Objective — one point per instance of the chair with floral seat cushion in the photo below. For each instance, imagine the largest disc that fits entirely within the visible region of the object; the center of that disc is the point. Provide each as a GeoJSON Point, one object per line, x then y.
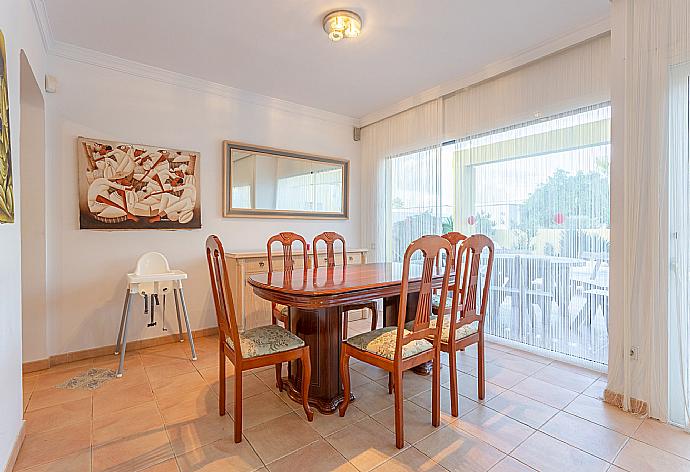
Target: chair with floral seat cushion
{"type": "Point", "coordinates": [397, 349]}
{"type": "Point", "coordinates": [454, 238]}
{"type": "Point", "coordinates": [282, 313]}
{"type": "Point", "coordinates": [465, 325]}
{"type": "Point", "coordinates": [330, 237]}
{"type": "Point", "coordinates": [259, 347]}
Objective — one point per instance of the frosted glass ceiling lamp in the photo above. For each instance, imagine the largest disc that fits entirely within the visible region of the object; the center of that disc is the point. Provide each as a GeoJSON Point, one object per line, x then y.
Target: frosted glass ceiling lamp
{"type": "Point", "coordinates": [341, 24]}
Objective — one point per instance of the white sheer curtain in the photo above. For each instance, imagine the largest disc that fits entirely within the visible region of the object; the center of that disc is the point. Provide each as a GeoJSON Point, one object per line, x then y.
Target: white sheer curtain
{"type": "Point", "coordinates": [416, 133]}
{"type": "Point", "coordinates": [540, 190]}
{"type": "Point", "coordinates": [654, 37]}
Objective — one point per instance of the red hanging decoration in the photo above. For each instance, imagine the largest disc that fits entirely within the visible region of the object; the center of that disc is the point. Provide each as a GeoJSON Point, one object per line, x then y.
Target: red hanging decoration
{"type": "Point", "coordinates": [558, 218]}
{"type": "Point", "coordinates": [471, 220]}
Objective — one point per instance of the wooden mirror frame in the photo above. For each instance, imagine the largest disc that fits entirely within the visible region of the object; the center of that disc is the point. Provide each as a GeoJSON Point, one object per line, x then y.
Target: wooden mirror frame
{"type": "Point", "coordinates": [230, 212]}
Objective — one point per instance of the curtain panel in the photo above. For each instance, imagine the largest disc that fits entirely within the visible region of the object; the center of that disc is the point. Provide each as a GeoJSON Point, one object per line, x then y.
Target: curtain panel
{"type": "Point", "coordinates": [574, 78]}
{"type": "Point", "coordinates": [650, 38]}
{"type": "Point", "coordinates": [571, 79]}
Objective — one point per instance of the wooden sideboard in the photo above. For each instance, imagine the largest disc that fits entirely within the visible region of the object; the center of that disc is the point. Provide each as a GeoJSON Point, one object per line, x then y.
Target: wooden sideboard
{"type": "Point", "coordinates": [253, 311]}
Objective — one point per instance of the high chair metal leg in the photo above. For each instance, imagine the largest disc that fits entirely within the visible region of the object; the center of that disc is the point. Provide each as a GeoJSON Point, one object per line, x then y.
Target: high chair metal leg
{"type": "Point", "coordinates": [120, 368]}
{"type": "Point", "coordinates": [186, 320]}
{"type": "Point", "coordinates": [179, 319]}
{"type": "Point", "coordinates": [118, 345]}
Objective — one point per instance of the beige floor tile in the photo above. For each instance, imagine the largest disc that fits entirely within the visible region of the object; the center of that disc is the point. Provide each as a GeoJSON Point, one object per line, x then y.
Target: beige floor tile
{"type": "Point", "coordinates": [373, 372]}
{"type": "Point", "coordinates": [372, 398]}
{"type": "Point", "coordinates": [606, 415]}
{"type": "Point", "coordinates": [465, 405]}
{"type": "Point", "coordinates": [129, 423]}
{"type": "Point", "coordinates": [552, 395]}
{"type": "Point", "coordinates": [577, 369]}
{"type": "Point", "coordinates": [48, 446]}
{"type": "Point", "coordinates": [189, 434]}
{"type": "Point", "coordinates": [510, 464]}
{"type": "Point", "coordinates": [316, 457]}
{"type": "Point", "coordinates": [547, 454]}
{"type": "Point", "coordinates": [329, 424]}
{"type": "Point", "coordinates": [467, 387]}
{"type": "Point", "coordinates": [528, 355]}
{"type": "Point", "coordinates": [133, 453]}
{"type": "Point", "coordinates": [502, 432]}
{"type": "Point", "coordinates": [53, 377]}
{"type": "Point", "coordinates": [163, 372]}
{"type": "Point", "coordinates": [55, 396]}
{"type": "Point", "coordinates": [416, 421]}
{"type": "Point", "coordinates": [637, 456]}
{"type": "Point", "coordinates": [120, 397]}
{"type": "Point", "coordinates": [519, 364]}
{"type": "Point", "coordinates": [168, 466]}
{"type": "Point", "coordinates": [596, 390]}
{"type": "Point", "coordinates": [221, 456]}
{"type": "Point", "coordinates": [366, 444]}
{"type": "Point", "coordinates": [260, 409]}
{"type": "Point", "coordinates": [59, 415]}
{"type": "Point", "coordinates": [521, 408]}
{"type": "Point", "coordinates": [79, 461]}
{"type": "Point", "coordinates": [251, 385]}
{"type": "Point", "coordinates": [280, 437]}
{"type": "Point", "coordinates": [189, 404]}
{"type": "Point", "coordinates": [459, 451]}
{"type": "Point", "coordinates": [664, 436]}
{"type": "Point", "coordinates": [410, 460]}
{"type": "Point", "coordinates": [583, 434]}
{"type": "Point", "coordinates": [501, 376]}
{"type": "Point", "coordinates": [564, 378]}
{"type": "Point", "coordinates": [268, 376]}
{"type": "Point", "coordinates": [413, 384]}
{"type": "Point", "coordinates": [132, 362]}
{"type": "Point", "coordinates": [175, 384]}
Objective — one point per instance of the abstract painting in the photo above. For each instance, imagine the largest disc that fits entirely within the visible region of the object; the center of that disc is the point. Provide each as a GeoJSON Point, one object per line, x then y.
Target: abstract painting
{"type": "Point", "coordinates": [134, 186]}
{"type": "Point", "coordinates": [6, 195]}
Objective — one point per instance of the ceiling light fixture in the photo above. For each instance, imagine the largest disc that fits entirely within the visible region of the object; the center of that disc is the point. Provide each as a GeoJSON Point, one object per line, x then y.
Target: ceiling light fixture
{"type": "Point", "coordinates": [341, 24]}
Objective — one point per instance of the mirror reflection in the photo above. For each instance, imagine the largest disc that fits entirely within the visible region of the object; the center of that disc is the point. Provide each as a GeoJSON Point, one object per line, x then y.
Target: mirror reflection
{"type": "Point", "coordinates": [262, 182]}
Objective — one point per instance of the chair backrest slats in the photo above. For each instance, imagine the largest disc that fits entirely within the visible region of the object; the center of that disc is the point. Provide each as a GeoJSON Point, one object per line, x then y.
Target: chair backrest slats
{"type": "Point", "coordinates": [466, 286]}
{"type": "Point", "coordinates": [222, 295]}
{"type": "Point", "coordinates": [328, 237]}
{"type": "Point", "coordinates": [286, 239]}
{"type": "Point", "coordinates": [432, 248]}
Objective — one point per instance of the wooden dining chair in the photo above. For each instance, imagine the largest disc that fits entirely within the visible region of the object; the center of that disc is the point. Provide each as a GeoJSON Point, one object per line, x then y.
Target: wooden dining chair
{"type": "Point", "coordinates": [330, 237]}
{"type": "Point", "coordinates": [282, 313]}
{"type": "Point", "coordinates": [258, 347]}
{"type": "Point", "coordinates": [465, 324]}
{"type": "Point", "coordinates": [400, 348]}
{"type": "Point", "coordinates": [454, 238]}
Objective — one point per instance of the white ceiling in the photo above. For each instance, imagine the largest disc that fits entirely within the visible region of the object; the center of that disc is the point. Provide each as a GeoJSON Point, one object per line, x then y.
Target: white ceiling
{"type": "Point", "coordinates": [278, 48]}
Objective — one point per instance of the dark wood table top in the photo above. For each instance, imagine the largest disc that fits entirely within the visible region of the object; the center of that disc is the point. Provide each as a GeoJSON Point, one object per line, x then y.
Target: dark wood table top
{"type": "Point", "coordinates": [307, 288]}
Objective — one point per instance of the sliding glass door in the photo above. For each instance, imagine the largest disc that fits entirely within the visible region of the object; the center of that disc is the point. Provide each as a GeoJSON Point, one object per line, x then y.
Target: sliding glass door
{"type": "Point", "coordinates": [540, 190]}
{"type": "Point", "coordinates": [679, 247]}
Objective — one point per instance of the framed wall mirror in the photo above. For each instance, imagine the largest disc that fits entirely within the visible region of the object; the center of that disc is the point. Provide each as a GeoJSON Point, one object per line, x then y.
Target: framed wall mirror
{"type": "Point", "coordinates": [262, 182]}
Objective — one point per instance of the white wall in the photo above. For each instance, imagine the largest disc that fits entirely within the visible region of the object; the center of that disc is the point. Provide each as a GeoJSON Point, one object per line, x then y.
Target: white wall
{"type": "Point", "coordinates": [33, 225]}
{"type": "Point", "coordinates": [86, 269]}
{"type": "Point", "coordinates": [21, 32]}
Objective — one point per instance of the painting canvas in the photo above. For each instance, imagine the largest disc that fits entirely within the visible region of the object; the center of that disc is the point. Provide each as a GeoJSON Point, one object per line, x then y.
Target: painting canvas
{"type": "Point", "coordinates": [6, 193]}
{"type": "Point", "coordinates": [134, 186]}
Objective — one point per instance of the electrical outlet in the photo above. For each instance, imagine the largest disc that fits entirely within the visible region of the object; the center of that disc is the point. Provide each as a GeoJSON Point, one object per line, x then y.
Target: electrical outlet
{"type": "Point", "coordinates": [635, 352]}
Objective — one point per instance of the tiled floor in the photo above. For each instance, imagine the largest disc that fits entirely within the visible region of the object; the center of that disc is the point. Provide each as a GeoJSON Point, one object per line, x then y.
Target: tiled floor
{"type": "Point", "coordinates": [162, 416]}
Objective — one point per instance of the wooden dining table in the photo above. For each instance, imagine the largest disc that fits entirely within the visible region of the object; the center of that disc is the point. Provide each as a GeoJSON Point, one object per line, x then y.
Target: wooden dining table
{"type": "Point", "coordinates": [316, 297]}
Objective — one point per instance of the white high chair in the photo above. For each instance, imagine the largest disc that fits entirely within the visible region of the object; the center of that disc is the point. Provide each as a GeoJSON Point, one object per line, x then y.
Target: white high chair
{"type": "Point", "coordinates": [153, 277]}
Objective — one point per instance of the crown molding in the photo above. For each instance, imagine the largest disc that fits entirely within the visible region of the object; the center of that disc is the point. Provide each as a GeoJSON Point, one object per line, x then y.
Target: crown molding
{"type": "Point", "coordinates": [597, 28]}
{"type": "Point", "coordinates": [72, 52]}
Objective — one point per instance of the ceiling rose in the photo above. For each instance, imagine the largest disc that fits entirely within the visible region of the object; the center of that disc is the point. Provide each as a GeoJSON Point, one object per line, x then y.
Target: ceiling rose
{"type": "Point", "coordinates": [340, 24]}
